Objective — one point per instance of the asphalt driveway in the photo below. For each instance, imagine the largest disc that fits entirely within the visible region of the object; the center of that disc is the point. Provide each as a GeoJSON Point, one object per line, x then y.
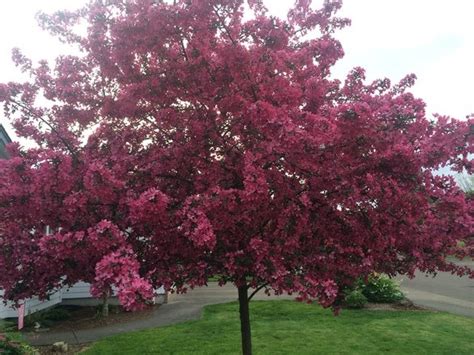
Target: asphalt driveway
{"type": "Point", "coordinates": [445, 292]}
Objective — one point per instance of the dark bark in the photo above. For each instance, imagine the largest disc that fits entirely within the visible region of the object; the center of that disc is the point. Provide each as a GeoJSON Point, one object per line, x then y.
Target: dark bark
{"type": "Point", "coordinates": [245, 321]}
{"type": "Point", "coordinates": [256, 291]}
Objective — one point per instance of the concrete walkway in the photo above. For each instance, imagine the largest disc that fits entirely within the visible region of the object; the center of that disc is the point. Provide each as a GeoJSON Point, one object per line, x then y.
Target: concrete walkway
{"type": "Point", "coordinates": [179, 308]}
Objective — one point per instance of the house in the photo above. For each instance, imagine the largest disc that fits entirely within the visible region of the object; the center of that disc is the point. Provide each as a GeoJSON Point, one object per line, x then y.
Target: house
{"type": "Point", "coordinates": [79, 294]}
{"type": "Point", "coordinates": [4, 140]}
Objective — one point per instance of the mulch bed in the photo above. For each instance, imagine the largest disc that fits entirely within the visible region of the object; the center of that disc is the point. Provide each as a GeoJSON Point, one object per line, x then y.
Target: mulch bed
{"type": "Point", "coordinates": [405, 305]}
{"type": "Point", "coordinates": [72, 349]}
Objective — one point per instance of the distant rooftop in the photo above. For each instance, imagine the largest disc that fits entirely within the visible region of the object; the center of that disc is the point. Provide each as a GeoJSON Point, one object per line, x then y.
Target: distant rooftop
{"type": "Point", "coordinates": [4, 140]}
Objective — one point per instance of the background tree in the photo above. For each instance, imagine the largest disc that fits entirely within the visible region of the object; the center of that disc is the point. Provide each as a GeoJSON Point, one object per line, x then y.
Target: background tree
{"type": "Point", "coordinates": [467, 184]}
{"type": "Point", "coordinates": [186, 142]}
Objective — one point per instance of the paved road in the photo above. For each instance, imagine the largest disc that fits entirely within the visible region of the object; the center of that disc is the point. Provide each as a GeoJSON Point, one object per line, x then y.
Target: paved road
{"type": "Point", "coordinates": [445, 292]}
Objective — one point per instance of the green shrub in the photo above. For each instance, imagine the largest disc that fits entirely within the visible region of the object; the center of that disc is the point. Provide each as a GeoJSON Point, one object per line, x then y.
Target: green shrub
{"type": "Point", "coordinates": [32, 318]}
{"type": "Point", "coordinates": [355, 299]}
{"type": "Point", "coordinates": [56, 314]}
{"type": "Point", "coordinates": [7, 326]}
{"type": "Point", "coordinates": [14, 346]}
{"type": "Point", "coordinates": [46, 317]}
{"type": "Point", "coordinates": [7, 347]}
{"type": "Point", "coordinates": [381, 289]}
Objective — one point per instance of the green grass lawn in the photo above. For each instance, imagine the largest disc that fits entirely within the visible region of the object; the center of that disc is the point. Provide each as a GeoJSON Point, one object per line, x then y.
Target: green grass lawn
{"type": "Point", "coordinates": [286, 327]}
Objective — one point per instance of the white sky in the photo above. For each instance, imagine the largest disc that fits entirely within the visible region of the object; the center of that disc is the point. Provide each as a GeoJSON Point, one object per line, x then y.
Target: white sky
{"type": "Point", "coordinates": [389, 38]}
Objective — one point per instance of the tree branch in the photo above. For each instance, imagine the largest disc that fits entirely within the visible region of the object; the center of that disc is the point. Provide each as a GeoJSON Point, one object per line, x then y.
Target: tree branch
{"type": "Point", "coordinates": [28, 111]}
{"type": "Point", "coordinates": [225, 27]}
{"type": "Point", "coordinates": [256, 290]}
{"type": "Point", "coordinates": [183, 49]}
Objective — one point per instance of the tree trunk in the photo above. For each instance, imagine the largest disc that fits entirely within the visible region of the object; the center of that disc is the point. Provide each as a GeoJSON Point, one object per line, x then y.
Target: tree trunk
{"type": "Point", "coordinates": [245, 321]}
{"type": "Point", "coordinates": [105, 305]}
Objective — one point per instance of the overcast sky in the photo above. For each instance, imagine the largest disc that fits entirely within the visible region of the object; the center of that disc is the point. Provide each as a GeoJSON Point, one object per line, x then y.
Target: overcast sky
{"type": "Point", "coordinates": [389, 38]}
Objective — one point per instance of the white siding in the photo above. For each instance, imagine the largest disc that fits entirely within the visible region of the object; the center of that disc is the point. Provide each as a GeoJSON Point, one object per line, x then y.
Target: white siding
{"type": "Point", "coordinates": [79, 290]}
{"type": "Point", "coordinates": [32, 305]}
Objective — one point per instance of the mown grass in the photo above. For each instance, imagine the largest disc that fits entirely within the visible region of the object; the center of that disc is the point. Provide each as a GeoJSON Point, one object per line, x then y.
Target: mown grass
{"type": "Point", "coordinates": [286, 327]}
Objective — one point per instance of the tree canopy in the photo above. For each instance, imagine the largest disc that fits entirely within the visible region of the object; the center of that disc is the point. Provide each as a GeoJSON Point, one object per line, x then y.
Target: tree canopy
{"type": "Point", "coordinates": [187, 140]}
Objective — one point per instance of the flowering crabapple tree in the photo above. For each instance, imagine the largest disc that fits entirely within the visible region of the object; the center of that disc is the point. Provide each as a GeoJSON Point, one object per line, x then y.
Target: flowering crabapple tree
{"type": "Point", "coordinates": [186, 141]}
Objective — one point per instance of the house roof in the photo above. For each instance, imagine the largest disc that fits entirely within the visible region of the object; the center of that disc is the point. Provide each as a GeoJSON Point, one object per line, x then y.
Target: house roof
{"type": "Point", "coordinates": [4, 140]}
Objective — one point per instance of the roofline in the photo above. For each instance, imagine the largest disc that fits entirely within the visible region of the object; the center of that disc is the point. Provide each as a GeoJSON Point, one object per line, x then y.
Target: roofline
{"type": "Point", "coordinates": [4, 132]}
